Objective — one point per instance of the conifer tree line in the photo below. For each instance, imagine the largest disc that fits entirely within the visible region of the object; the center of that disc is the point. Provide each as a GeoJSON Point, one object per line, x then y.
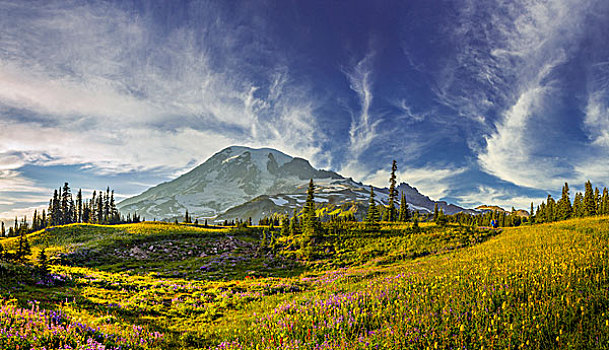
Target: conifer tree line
{"type": "Point", "coordinates": [592, 202]}
{"type": "Point", "coordinates": [100, 209]}
{"type": "Point", "coordinates": [64, 209]}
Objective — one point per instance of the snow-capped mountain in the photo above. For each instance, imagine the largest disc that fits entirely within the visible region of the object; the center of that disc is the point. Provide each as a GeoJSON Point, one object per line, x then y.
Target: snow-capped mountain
{"type": "Point", "coordinates": [230, 177]}
{"type": "Point", "coordinates": [242, 182]}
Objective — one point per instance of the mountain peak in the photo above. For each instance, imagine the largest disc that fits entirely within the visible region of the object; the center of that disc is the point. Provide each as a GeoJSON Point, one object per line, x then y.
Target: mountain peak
{"type": "Point", "coordinates": [237, 175]}
{"type": "Point", "coordinates": [260, 156]}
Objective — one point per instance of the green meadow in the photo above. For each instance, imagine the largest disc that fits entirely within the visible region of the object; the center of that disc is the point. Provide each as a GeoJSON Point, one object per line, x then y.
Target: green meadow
{"type": "Point", "coordinates": [167, 286]}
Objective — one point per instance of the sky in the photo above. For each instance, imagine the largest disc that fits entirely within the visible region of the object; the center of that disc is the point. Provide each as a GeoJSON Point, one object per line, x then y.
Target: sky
{"type": "Point", "coordinates": [495, 102]}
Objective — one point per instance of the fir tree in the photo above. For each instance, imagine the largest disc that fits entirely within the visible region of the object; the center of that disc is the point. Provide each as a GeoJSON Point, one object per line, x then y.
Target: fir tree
{"type": "Point", "coordinates": [605, 202]}
{"type": "Point", "coordinates": [92, 207]}
{"type": "Point", "coordinates": [79, 208]}
{"type": "Point", "coordinates": [550, 209]}
{"type": "Point", "coordinates": [285, 225]}
{"type": "Point", "coordinates": [404, 211]}
{"type": "Point", "coordinates": [114, 213]}
{"type": "Point", "coordinates": [2, 230]}
{"type": "Point", "coordinates": [186, 217]}
{"type": "Point", "coordinates": [541, 213]}
{"type": "Point", "coordinates": [391, 213]}
{"type": "Point", "coordinates": [436, 213]}
{"type": "Point", "coordinates": [372, 217]}
{"type": "Point", "coordinates": [43, 219]}
{"type": "Point", "coordinates": [23, 249]}
{"type": "Point", "coordinates": [597, 201]}
{"type": "Point", "coordinates": [310, 223]}
{"type": "Point", "coordinates": [294, 227]}
{"type": "Point", "coordinates": [67, 205]}
{"type": "Point", "coordinates": [589, 200]}
{"type": "Point", "coordinates": [564, 209]}
{"type": "Point", "coordinates": [107, 205]}
{"type": "Point", "coordinates": [532, 214]}
{"type": "Point", "coordinates": [578, 205]}
{"type": "Point", "coordinates": [43, 261]}
{"type": "Point", "coordinates": [100, 208]}
{"type": "Point", "coordinates": [35, 221]}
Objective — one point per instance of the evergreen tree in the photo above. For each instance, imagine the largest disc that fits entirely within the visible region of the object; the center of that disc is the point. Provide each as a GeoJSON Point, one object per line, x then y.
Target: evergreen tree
{"type": "Point", "coordinates": [186, 217]}
{"type": "Point", "coordinates": [541, 213]}
{"type": "Point", "coordinates": [67, 205]}
{"type": "Point", "coordinates": [23, 249]}
{"type": "Point", "coordinates": [43, 261]}
{"type": "Point", "coordinates": [115, 216]}
{"type": "Point", "coordinates": [107, 205]}
{"type": "Point", "coordinates": [564, 209]}
{"type": "Point", "coordinates": [372, 216]}
{"type": "Point", "coordinates": [605, 202]}
{"type": "Point", "coordinates": [310, 222]}
{"type": "Point", "coordinates": [285, 225]}
{"type": "Point", "coordinates": [404, 211]}
{"type": "Point", "coordinates": [597, 201]}
{"type": "Point", "coordinates": [532, 214]}
{"type": "Point", "coordinates": [2, 230]}
{"type": "Point", "coordinates": [35, 221]}
{"type": "Point", "coordinates": [294, 227]}
{"type": "Point", "coordinates": [43, 219]}
{"type": "Point", "coordinates": [100, 208]}
{"type": "Point", "coordinates": [589, 200]}
{"type": "Point", "coordinates": [436, 213]}
{"type": "Point", "coordinates": [79, 208]}
{"type": "Point", "coordinates": [391, 212]}
{"type": "Point", "coordinates": [578, 205]}
{"type": "Point", "coordinates": [550, 209]}
{"type": "Point", "coordinates": [93, 207]}
{"type": "Point", "coordinates": [86, 212]}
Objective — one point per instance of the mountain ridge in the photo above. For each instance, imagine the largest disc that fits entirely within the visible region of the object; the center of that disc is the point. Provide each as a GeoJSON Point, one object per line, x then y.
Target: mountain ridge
{"type": "Point", "coordinates": [240, 180]}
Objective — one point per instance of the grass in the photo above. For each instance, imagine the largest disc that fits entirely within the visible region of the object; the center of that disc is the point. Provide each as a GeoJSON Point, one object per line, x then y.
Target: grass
{"type": "Point", "coordinates": [534, 287]}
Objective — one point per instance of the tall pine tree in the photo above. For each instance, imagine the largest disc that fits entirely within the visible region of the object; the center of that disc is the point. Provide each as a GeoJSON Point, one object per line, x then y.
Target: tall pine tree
{"type": "Point", "coordinates": [578, 205]}
{"type": "Point", "coordinates": [391, 212]}
{"type": "Point", "coordinates": [564, 209]}
{"type": "Point", "coordinates": [79, 206]}
{"type": "Point", "coordinates": [589, 200]}
{"type": "Point", "coordinates": [404, 211]}
{"type": "Point", "coordinates": [310, 222]}
{"type": "Point", "coordinates": [605, 202]}
{"type": "Point", "coordinates": [372, 216]}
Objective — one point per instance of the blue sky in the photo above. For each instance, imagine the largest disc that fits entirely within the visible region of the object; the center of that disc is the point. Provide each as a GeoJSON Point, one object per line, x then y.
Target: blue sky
{"type": "Point", "coordinates": [479, 101]}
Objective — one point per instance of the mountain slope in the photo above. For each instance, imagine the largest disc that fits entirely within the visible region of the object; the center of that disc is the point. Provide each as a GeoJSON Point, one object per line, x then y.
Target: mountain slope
{"type": "Point", "coordinates": [229, 178]}
{"type": "Point", "coordinates": [242, 182]}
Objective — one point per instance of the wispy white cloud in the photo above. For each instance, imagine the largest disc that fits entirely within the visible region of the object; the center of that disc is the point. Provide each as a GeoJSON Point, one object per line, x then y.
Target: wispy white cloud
{"type": "Point", "coordinates": [96, 85]}
{"type": "Point", "coordinates": [363, 128]}
{"type": "Point", "coordinates": [93, 85]}
{"type": "Point", "coordinates": [433, 182]}
{"type": "Point", "coordinates": [528, 42]}
{"type": "Point", "coordinates": [13, 181]}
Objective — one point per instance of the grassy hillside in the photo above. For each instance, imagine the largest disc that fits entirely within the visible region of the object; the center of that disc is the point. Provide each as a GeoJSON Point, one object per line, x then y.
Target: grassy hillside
{"type": "Point", "coordinates": [538, 287]}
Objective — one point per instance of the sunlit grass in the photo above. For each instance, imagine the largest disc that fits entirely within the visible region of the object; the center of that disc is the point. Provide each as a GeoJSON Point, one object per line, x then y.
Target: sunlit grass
{"type": "Point", "coordinates": [541, 287]}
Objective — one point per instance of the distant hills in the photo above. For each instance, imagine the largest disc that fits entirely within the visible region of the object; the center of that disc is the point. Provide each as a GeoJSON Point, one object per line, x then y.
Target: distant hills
{"type": "Point", "coordinates": [519, 212]}
{"type": "Point", "coordinates": [242, 182]}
